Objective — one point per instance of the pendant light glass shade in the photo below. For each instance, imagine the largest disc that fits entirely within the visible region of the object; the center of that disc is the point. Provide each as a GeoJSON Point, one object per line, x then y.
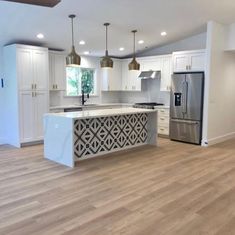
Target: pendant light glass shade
{"type": "Point", "coordinates": [73, 59]}
{"type": "Point", "coordinates": [106, 61]}
{"type": "Point", "coordinates": [134, 65]}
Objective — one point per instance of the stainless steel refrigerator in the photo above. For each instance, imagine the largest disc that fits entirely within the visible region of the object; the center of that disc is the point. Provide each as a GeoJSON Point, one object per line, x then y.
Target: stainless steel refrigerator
{"type": "Point", "coordinates": [186, 107]}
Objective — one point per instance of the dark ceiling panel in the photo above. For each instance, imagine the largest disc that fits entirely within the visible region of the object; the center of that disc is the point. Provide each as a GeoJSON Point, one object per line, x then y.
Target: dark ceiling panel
{"type": "Point", "coordinates": [45, 3]}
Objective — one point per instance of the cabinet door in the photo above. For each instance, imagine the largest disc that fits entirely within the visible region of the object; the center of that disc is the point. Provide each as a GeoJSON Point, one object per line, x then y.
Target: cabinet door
{"type": "Point", "coordinates": [115, 77]}
{"type": "Point", "coordinates": [60, 71]}
{"type": "Point", "coordinates": [166, 73]}
{"type": "Point", "coordinates": [125, 74]}
{"type": "Point", "coordinates": [51, 71]}
{"type": "Point", "coordinates": [134, 80]}
{"type": "Point", "coordinates": [26, 116]}
{"type": "Point", "coordinates": [197, 61]}
{"type": "Point", "coordinates": [180, 62]}
{"type": "Point", "coordinates": [25, 69]}
{"type": "Point", "coordinates": [152, 64]}
{"type": "Point", "coordinates": [40, 69]}
{"type": "Point", "coordinates": [40, 108]}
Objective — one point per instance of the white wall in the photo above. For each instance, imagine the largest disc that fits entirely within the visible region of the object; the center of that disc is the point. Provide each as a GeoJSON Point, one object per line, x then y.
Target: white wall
{"type": "Point", "coordinates": [1, 99]}
{"type": "Point", "coordinates": [191, 43]}
{"type": "Point", "coordinates": [219, 109]}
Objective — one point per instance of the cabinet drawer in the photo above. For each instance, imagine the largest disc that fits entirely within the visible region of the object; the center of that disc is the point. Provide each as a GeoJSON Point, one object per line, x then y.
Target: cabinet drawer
{"type": "Point", "coordinates": [163, 120]}
{"type": "Point", "coordinates": [163, 130]}
{"type": "Point", "coordinates": [163, 112]}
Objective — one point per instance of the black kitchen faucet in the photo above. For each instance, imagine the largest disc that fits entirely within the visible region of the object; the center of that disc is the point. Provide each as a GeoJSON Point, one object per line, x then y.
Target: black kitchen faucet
{"type": "Point", "coordinates": [83, 97]}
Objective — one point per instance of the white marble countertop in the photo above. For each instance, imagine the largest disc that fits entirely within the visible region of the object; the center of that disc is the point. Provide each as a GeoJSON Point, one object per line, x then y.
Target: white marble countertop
{"type": "Point", "coordinates": [89, 105]}
{"type": "Point", "coordinates": [101, 113]}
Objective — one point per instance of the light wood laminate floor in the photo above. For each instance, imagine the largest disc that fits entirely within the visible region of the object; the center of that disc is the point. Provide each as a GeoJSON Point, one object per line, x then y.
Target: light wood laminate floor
{"type": "Point", "coordinates": [175, 189]}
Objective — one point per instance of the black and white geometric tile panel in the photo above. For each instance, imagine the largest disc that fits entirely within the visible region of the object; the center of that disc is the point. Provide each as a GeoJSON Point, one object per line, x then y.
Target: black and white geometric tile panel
{"type": "Point", "coordinates": [104, 134]}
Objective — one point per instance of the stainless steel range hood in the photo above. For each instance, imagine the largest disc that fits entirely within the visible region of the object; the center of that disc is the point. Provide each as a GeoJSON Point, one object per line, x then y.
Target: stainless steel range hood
{"type": "Point", "coordinates": [150, 74]}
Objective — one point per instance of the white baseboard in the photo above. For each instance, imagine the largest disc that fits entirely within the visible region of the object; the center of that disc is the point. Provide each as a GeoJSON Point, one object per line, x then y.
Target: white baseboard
{"type": "Point", "coordinates": [220, 139]}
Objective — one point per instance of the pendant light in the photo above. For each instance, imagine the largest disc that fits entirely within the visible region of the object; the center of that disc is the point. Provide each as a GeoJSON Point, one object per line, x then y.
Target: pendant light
{"type": "Point", "coordinates": [73, 59]}
{"type": "Point", "coordinates": [106, 61]}
{"type": "Point", "coordinates": [134, 65]}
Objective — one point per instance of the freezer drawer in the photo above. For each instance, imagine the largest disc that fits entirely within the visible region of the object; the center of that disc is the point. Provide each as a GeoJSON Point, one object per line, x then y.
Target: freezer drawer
{"type": "Point", "coordinates": [186, 131]}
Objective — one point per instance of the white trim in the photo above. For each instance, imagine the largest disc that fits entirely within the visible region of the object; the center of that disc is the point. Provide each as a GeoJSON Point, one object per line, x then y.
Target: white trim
{"type": "Point", "coordinates": [221, 138]}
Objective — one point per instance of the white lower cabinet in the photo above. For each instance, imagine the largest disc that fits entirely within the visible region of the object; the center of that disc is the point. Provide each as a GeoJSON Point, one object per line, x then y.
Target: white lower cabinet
{"type": "Point", "coordinates": [163, 121]}
{"type": "Point", "coordinates": [33, 105]}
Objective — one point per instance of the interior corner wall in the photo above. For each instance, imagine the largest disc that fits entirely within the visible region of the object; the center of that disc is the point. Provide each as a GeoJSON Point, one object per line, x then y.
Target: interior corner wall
{"type": "Point", "coordinates": [219, 110]}
{"type": "Point", "coordinates": [1, 99]}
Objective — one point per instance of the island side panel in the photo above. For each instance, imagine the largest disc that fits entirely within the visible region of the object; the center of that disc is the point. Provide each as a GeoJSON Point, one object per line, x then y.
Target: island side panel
{"type": "Point", "coordinates": [152, 128]}
{"type": "Point", "coordinates": [97, 136]}
{"type": "Point", "coordinates": [58, 139]}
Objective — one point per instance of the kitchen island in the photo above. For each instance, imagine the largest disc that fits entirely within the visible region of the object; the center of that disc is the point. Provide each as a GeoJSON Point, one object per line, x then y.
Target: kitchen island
{"type": "Point", "coordinates": [70, 137]}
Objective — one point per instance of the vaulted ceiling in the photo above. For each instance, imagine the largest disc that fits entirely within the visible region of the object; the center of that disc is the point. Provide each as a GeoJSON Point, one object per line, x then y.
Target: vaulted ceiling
{"type": "Point", "coordinates": [179, 18]}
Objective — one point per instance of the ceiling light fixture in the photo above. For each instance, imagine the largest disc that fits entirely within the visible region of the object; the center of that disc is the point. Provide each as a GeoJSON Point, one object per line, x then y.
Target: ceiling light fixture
{"type": "Point", "coordinates": [134, 65]}
{"type": "Point", "coordinates": [40, 36]}
{"type": "Point", "coordinates": [121, 49]}
{"type": "Point", "coordinates": [86, 52]}
{"type": "Point", "coordinates": [163, 33]}
{"type": "Point", "coordinates": [73, 59]}
{"type": "Point", "coordinates": [82, 42]}
{"type": "Point", "coordinates": [106, 61]}
{"type": "Point", "coordinates": [141, 41]}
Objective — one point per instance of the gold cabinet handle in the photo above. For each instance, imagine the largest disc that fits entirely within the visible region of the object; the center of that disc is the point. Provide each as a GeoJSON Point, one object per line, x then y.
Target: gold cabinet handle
{"type": "Point", "coordinates": [35, 86]}
{"type": "Point", "coordinates": [32, 86]}
{"type": "Point", "coordinates": [32, 93]}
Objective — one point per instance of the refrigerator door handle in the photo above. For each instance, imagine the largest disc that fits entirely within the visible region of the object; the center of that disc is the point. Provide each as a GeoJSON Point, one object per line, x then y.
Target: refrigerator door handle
{"type": "Point", "coordinates": [185, 96]}
{"type": "Point", "coordinates": [185, 121]}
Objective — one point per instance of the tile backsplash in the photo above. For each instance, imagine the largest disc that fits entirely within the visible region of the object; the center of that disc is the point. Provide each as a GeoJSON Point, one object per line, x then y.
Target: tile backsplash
{"type": "Point", "coordinates": [150, 93]}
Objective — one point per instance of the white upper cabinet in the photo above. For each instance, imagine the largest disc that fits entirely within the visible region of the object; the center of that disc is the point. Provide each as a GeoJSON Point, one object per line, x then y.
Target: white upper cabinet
{"type": "Point", "coordinates": [112, 78]}
{"type": "Point", "coordinates": [25, 68]}
{"type": "Point", "coordinates": [189, 61]}
{"type": "Point", "coordinates": [40, 69]}
{"type": "Point", "coordinates": [161, 63]}
{"type": "Point", "coordinates": [57, 71]}
{"type": "Point", "coordinates": [166, 72]}
{"type": "Point", "coordinates": [152, 63]}
{"type": "Point", "coordinates": [32, 68]}
{"type": "Point", "coordinates": [130, 79]}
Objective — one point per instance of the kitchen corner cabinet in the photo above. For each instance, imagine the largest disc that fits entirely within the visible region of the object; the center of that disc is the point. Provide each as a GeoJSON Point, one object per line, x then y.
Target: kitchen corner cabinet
{"type": "Point", "coordinates": [25, 92]}
{"type": "Point", "coordinates": [189, 61]}
{"type": "Point", "coordinates": [112, 78]}
{"type": "Point", "coordinates": [130, 80]}
{"type": "Point", "coordinates": [57, 71]}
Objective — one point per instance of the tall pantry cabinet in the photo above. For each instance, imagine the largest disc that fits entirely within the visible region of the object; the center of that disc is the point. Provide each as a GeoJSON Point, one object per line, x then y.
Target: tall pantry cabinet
{"type": "Point", "coordinates": [26, 93]}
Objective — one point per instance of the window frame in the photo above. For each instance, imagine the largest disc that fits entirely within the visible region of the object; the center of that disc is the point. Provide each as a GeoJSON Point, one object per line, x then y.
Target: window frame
{"type": "Point", "coordinates": [95, 84]}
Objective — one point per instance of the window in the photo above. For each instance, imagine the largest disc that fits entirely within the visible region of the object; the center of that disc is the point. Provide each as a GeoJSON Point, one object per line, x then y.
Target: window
{"type": "Point", "coordinates": [78, 79]}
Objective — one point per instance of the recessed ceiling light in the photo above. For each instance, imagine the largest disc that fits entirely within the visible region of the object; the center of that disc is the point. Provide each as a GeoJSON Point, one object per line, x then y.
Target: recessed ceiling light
{"type": "Point", "coordinates": [121, 49]}
{"type": "Point", "coordinates": [163, 33]}
{"type": "Point", "coordinates": [86, 52]}
{"type": "Point", "coordinates": [82, 42]}
{"type": "Point", "coordinates": [40, 36]}
{"type": "Point", "coordinates": [141, 41]}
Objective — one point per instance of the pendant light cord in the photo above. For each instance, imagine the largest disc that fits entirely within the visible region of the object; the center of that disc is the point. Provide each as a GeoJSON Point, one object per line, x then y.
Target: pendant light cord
{"type": "Point", "coordinates": [106, 39]}
{"type": "Point", "coordinates": [72, 33]}
{"type": "Point", "coordinates": [134, 46]}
